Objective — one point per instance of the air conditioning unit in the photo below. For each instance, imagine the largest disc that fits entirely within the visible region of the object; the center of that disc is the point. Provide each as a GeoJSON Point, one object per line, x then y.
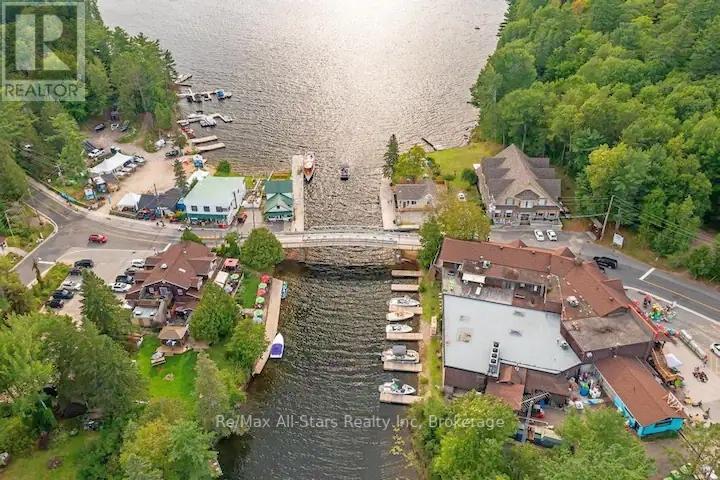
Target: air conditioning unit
{"type": "Point", "coordinates": [564, 345]}
{"type": "Point", "coordinates": [573, 301]}
{"type": "Point", "coordinates": [485, 263]}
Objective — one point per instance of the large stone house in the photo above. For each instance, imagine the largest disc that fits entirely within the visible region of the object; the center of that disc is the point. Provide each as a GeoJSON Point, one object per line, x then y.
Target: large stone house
{"type": "Point", "coordinates": [519, 190]}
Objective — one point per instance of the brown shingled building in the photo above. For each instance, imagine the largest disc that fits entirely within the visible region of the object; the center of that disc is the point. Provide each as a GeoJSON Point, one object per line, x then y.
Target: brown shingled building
{"type": "Point", "coordinates": [501, 300]}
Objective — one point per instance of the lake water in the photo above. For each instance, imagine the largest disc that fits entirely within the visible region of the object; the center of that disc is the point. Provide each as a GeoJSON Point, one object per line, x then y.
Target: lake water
{"type": "Point", "coordinates": [336, 77]}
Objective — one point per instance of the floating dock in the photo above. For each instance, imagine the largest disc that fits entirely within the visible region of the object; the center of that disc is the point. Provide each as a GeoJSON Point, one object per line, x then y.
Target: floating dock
{"type": "Point", "coordinates": [399, 399]}
{"type": "Point", "coordinates": [396, 308]}
{"type": "Point", "coordinates": [390, 366]}
{"type": "Point", "coordinates": [407, 273]}
{"type": "Point", "coordinates": [272, 318]}
{"type": "Point", "coordinates": [211, 138]}
{"type": "Point", "coordinates": [404, 337]}
{"type": "Point", "coordinates": [298, 223]}
{"type": "Point", "coordinates": [210, 148]}
{"type": "Point", "coordinates": [404, 287]}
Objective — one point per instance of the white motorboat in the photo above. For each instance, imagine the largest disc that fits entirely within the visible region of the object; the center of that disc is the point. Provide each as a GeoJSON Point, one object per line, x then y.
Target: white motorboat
{"type": "Point", "coordinates": [277, 348]}
{"type": "Point", "coordinates": [399, 316]}
{"type": "Point", "coordinates": [396, 387]}
{"type": "Point", "coordinates": [404, 302]}
{"type": "Point", "coordinates": [400, 353]}
{"type": "Point", "coordinates": [309, 166]}
{"type": "Point", "coordinates": [398, 328]}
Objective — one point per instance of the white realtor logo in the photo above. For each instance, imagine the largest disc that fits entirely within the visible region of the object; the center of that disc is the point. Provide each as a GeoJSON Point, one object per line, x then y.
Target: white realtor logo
{"type": "Point", "coordinates": [25, 46]}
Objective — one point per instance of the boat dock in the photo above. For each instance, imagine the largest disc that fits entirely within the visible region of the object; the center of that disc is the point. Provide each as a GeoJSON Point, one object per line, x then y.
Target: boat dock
{"type": "Point", "coordinates": [298, 193]}
{"type": "Point", "coordinates": [196, 117]}
{"type": "Point", "coordinates": [404, 287]}
{"type": "Point", "coordinates": [272, 317]}
{"type": "Point", "coordinates": [414, 310]}
{"type": "Point", "coordinates": [399, 399]}
{"type": "Point", "coordinates": [404, 337]}
{"type": "Point", "coordinates": [195, 141]}
{"type": "Point", "coordinates": [391, 366]}
{"type": "Point", "coordinates": [210, 148]}
{"type": "Point", "coordinates": [406, 273]}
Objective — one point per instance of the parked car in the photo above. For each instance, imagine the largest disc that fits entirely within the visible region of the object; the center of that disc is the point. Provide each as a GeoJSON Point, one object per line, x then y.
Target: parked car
{"type": "Point", "coordinates": [55, 303]}
{"type": "Point", "coordinates": [97, 238]}
{"type": "Point", "coordinates": [606, 262]}
{"type": "Point", "coordinates": [131, 271]}
{"type": "Point", "coordinates": [70, 285]}
{"type": "Point", "coordinates": [120, 174]}
{"type": "Point", "coordinates": [539, 235]}
{"type": "Point", "coordinates": [715, 347]}
{"type": "Point", "coordinates": [63, 294]}
{"type": "Point", "coordinates": [139, 160]}
{"type": "Point", "coordinates": [551, 235]}
{"type": "Point", "coordinates": [138, 263]}
{"type": "Point", "coordinates": [127, 170]}
{"type": "Point", "coordinates": [242, 217]}
{"type": "Point", "coordinates": [120, 287]}
{"type": "Point", "coordinates": [97, 153]}
{"type": "Point", "coordinates": [125, 125]}
{"type": "Point", "coordinates": [84, 263]}
{"type": "Point", "coordinates": [172, 153]}
{"type": "Point", "coordinates": [99, 127]}
{"type": "Point", "coordinates": [75, 271]}
{"type": "Point", "coordinates": [128, 279]}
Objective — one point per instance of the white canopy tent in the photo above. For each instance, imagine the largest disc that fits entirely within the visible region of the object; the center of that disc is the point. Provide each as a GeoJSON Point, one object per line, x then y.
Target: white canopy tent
{"type": "Point", "coordinates": [129, 200]}
{"type": "Point", "coordinates": [112, 164]}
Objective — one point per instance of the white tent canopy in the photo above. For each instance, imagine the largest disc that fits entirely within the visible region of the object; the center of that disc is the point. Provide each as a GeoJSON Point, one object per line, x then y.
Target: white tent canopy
{"type": "Point", "coordinates": [110, 165]}
{"type": "Point", "coordinates": [130, 200]}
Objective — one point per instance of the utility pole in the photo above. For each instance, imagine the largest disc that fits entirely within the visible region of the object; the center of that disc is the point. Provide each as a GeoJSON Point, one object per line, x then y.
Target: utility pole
{"type": "Point", "coordinates": [7, 219]}
{"type": "Point", "coordinates": [607, 215]}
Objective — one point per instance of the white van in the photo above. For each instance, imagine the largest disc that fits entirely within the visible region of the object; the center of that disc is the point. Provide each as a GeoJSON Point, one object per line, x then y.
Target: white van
{"type": "Point", "coordinates": [138, 263]}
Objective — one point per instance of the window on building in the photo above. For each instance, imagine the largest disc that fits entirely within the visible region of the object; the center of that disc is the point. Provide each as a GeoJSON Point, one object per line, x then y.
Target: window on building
{"type": "Point", "coordinates": [164, 291]}
{"type": "Point", "coordinates": [542, 201]}
{"type": "Point", "coordinates": [510, 201]}
{"type": "Point", "coordinates": [206, 209]}
{"type": "Point", "coordinates": [181, 291]}
{"type": "Point", "coordinates": [193, 208]}
{"type": "Point", "coordinates": [219, 209]}
{"type": "Point", "coordinates": [412, 202]}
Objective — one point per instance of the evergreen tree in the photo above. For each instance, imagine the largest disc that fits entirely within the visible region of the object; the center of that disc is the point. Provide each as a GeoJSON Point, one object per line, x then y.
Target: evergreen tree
{"type": "Point", "coordinates": [101, 307]}
{"type": "Point", "coordinates": [391, 156]}
{"type": "Point", "coordinates": [180, 177]}
{"type": "Point", "coordinates": [213, 400]}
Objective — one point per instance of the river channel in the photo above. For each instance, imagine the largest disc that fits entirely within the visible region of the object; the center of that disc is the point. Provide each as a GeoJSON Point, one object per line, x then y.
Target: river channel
{"type": "Point", "coordinates": [336, 77]}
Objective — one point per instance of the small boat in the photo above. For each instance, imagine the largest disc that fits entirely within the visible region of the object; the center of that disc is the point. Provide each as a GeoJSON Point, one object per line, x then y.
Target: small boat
{"type": "Point", "coordinates": [206, 96]}
{"type": "Point", "coordinates": [404, 302]}
{"type": "Point", "coordinates": [284, 291]}
{"type": "Point", "coordinates": [396, 387]}
{"type": "Point", "coordinates": [278, 346]}
{"type": "Point", "coordinates": [400, 353]}
{"type": "Point", "coordinates": [222, 94]}
{"type": "Point", "coordinates": [398, 328]}
{"type": "Point", "coordinates": [344, 173]}
{"type": "Point", "coordinates": [399, 316]}
{"type": "Point", "coordinates": [309, 166]}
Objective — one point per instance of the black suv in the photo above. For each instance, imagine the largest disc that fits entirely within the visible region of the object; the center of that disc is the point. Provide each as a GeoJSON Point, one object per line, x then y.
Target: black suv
{"type": "Point", "coordinates": [55, 303]}
{"type": "Point", "coordinates": [63, 294]}
{"type": "Point", "coordinates": [606, 262]}
{"type": "Point", "coordinates": [84, 263]}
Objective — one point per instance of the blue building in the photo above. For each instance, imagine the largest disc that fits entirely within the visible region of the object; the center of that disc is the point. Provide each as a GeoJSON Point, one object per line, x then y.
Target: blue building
{"type": "Point", "coordinates": [648, 407]}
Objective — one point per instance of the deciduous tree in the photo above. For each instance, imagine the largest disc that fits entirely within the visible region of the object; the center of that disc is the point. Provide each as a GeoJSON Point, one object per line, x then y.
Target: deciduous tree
{"type": "Point", "coordinates": [246, 344]}
{"type": "Point", "coordinates": [213, 400]}
{"type": "Point", "coordinates": [101, 307]}
{"type": "Point", "coordinates": [214, 316]}
{"type": "Point", "coordinates": [464, 220]}
{"type": "Point", "coordinates": [431, 238]}
{"type": "Point", "coordinates": [261, 250]}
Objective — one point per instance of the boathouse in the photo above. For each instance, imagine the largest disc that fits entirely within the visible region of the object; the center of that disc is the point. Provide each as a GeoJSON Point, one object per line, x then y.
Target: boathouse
{"type": "Point", "coordinates": [278, 200]}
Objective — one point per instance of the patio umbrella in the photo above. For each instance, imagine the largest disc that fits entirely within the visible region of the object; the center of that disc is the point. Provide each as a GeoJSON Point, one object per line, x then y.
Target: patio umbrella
{"type": "Point", "coordinates": [265, 278]}
{"type": "Point", "coordinates": [259, 313]}
{"type": "Point", "coordinates": [261, 292]}
{"type": "Point", "coordinates": [259, 300]}
{"type": "Point", "coordinates": [234, 276]}
{"type": "Point", "coordinates": [262, 285]}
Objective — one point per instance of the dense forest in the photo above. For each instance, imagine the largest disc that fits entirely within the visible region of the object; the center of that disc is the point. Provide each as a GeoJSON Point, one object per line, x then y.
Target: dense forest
{"type": "Point", "coordinates": [131, 74]}
{"type": "Point", "coordinates": [624, 95]}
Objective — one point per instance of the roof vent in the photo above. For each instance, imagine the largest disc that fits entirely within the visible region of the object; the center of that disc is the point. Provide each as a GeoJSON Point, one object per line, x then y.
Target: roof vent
{"type": "Point", "coordinates": [485, 264]}
{"type": "Point", "coordinates": [573, 301]}
{"type": "Point", "coordinates": [518, 313]}
{"type": "Point", "coordinates": [564, 345]}
{"type": "Point", "coordinates": [464, 335]}
{"type": "Point", "coordinates": [516, 333]}
{"type": "Point", "coordinates": [181, 270]}
{"type": "Point", "coordinates": [494, 362]}
{"type": "Point", "coordinates": [163, 266]}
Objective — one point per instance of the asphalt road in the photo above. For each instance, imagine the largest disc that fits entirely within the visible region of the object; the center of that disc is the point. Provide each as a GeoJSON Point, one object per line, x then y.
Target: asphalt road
{"type": "Point", "coordinates": [74, 227]}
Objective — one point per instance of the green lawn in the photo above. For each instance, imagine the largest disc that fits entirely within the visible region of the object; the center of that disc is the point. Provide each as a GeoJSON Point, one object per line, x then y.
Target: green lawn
{"type": "Point", "coordinates": [248, 289]}
{"type": "Point", "coordinates": [182, 368]}
{"type": "Point", "coordinates": [429, 290]}
{"type": "Point", "coordinates": [51, 281]}
{"type": "Point", "coordinates": [34, 466]}
{"type": "Point", "coordinates": [452, 161]}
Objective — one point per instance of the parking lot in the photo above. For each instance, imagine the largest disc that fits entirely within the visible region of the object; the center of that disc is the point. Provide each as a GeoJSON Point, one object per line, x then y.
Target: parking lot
{"type": "Point", "coordinates": [109, 263]}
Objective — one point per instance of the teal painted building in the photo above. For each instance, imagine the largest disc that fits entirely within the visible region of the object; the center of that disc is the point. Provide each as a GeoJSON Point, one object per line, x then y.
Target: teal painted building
{"type": "Point", "coordinates": [278, 200]}
{"type": "Point", "coordinates": [647, 406]}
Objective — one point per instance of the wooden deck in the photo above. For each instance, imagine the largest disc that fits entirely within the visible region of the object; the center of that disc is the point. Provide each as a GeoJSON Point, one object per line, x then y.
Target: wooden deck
{"type": "Point", "coordinates": [404, 337]}
{"type": "Point", "coordinates": [210, 148]}
{"type": "Point", "coordinates": [399, 399]}
{"type": "Point", "coordinates": [406, 273]}
{"type": "Point", "coordinates": [390, 366]}
{"type": "Point", "coordinates": [272, 317]}
{"type": "Point", "coordinates": [211, 138]}
{"type": "Point", "coordinates": [404, 287]}
{"type": "Point", "coordinates": [415, 310]}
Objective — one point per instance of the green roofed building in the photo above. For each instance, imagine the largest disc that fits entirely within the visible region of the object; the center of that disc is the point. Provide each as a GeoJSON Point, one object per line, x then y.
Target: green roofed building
{"type": "Point", "coordinates": [215, 199]}
{"type": "Point", "coordinates": [278, 200]}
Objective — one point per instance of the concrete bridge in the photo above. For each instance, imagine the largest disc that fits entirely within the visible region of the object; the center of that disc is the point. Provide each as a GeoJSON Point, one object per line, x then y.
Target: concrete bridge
{"type": "Point", "coordinates": [344, 236]}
